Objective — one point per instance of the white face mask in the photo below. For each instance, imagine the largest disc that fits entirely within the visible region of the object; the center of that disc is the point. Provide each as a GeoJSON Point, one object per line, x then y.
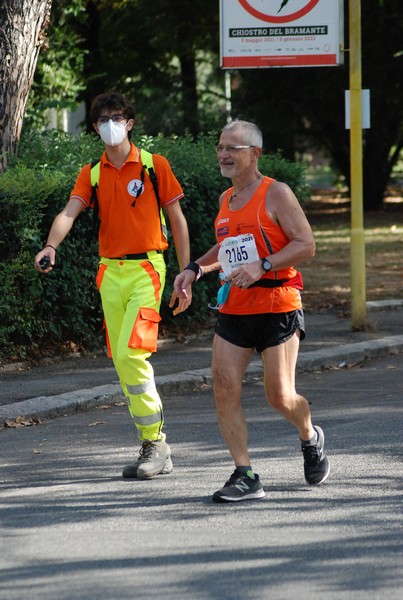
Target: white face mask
{"type": "Point", "coordinates": [112, 134]}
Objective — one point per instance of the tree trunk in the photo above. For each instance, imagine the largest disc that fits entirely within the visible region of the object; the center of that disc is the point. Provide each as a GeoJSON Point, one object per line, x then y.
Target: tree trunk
{"type": "Point", "coordinates": [189, 92]}
{"type": "Point", "coordinates": [92, 60]}
{"type": "Point", "coordinates": [22, 35]}
{"type": "Point", "coordinates": [187, 58]}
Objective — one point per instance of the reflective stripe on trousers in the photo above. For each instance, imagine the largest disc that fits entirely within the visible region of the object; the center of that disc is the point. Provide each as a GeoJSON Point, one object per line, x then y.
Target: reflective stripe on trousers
{"type": "Point", "coordinates": [127, 286]}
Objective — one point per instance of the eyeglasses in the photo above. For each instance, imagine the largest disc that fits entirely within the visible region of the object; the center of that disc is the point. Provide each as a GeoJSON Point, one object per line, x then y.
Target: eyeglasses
{"type": "Point", "coordinates": [231, 149]}
{"type": "Point", "coordinates": [115, 119]}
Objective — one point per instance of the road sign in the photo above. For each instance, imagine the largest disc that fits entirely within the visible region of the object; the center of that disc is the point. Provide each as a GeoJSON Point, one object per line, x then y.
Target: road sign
{"type": "Point", "coordinates": [281, 33]}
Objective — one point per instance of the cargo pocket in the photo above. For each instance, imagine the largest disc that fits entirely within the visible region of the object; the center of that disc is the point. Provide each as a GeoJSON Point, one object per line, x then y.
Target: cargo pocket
{"type": "Point", "coordinates": [145, 330]}
{"type": "Point", "coordinates": [100, 275]}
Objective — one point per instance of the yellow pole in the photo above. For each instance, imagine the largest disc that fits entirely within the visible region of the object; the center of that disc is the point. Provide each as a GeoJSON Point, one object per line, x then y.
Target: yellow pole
{"type": "Point", "coordinates": [357, 239]}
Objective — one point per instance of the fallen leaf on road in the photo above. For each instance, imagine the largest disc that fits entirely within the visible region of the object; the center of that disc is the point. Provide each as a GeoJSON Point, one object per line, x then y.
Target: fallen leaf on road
{"type": "Point", "coordinates": [22, 422]}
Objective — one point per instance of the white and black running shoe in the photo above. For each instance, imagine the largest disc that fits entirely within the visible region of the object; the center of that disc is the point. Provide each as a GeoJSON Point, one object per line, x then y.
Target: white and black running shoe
{"type": "Point", "coordinates": [316, 463]}
{"type": "Point", "coordinates": [239, 487]}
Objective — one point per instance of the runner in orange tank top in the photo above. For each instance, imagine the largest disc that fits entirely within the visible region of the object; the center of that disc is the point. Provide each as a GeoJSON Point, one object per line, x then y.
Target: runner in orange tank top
{"type": "Point", "coordinates": [252, 219]}
{"type": "Point", "coordinates": [261, 233]}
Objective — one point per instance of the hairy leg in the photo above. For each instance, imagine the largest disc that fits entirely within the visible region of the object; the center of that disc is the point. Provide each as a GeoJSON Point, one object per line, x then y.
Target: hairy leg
{"type": "Point", "coordinates": [279, 380]}
{"type": "Point", "coordinates": [229, 365]}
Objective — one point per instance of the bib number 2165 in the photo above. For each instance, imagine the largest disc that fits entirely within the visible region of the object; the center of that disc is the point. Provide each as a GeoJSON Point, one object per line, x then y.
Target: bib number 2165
{"type": "Point", "coordinates": [237, 251]}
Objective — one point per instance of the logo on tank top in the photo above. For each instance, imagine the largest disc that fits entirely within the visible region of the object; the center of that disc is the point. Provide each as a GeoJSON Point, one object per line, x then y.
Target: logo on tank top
{"type": "Point", "coordinates": [222, 231]}
{"type": "Point", "coordinates": [135, 187]}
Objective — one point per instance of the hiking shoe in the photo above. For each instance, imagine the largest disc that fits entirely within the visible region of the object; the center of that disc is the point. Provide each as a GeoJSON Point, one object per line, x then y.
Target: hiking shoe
{"type": "Point", "coordinates": [239, 487]}
{"type": "Point", "coordinates": [316, 464]}
{"type": "Point", "coordinates": [154, 459]}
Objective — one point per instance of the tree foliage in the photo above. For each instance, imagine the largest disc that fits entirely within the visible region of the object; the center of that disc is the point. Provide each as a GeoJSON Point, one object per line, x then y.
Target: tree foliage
{"type": "Point", "coordinates": [297, 107]}
{"type": "Point", "coordinates": [164, 57]}
{"type": "Point", "coordinates": [49, 310]}
{"type": "Point", "coordinates": [59, 78]}
{"type": "Point", "coordinates": [157, 54]}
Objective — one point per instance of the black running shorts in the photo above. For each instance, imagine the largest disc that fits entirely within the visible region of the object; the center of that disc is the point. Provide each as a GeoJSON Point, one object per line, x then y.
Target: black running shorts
{"type": "Point", "coordinates": [260, 331]}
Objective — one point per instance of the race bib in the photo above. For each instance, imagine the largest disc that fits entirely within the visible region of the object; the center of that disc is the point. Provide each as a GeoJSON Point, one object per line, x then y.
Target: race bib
{"type": "Point", "coordinates": [237, 251]}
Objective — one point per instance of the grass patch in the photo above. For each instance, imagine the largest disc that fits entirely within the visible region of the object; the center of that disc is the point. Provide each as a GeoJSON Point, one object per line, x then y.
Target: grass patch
{"type": "Point", "coordinates": [327, 275]}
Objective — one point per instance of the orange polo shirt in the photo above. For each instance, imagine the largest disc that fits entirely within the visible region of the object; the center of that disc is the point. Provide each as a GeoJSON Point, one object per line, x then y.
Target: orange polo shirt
{"type": "Point", "coordinates": [129, 225]}
{"type": "Point", "coordinates": [270, 238]}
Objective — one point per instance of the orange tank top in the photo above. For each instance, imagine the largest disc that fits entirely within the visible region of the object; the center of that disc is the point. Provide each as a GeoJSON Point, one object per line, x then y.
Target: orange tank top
{"type": "Point", "coordinates": [270, 238]}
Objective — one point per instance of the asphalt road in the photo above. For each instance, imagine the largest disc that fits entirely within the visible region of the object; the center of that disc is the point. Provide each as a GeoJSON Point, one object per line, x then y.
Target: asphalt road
{"type": "Point", "coordinates": [73, 529]}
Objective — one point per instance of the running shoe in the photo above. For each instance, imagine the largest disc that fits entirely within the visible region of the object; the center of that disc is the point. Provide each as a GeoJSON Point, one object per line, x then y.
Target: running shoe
{"type": "Point", "coordinates": [316, 463]}
{"type": "Point", "coordinates": [239, 487]}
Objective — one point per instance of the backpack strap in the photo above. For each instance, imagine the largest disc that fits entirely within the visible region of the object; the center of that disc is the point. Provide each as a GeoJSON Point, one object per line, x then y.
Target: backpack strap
{"type": "Point", "coordinates": [95, 174]}
{"type": "Point", "coordinates": [148, 166]}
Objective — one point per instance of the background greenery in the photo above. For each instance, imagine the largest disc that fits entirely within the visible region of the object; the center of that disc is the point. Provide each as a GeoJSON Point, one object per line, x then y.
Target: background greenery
{"type": "Point", "coordinates": [165, 57]}
{"type": "Point", "coordinates": [41, 312]}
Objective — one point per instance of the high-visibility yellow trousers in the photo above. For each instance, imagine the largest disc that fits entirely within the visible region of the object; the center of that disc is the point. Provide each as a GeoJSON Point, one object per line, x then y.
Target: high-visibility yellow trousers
{"type": "Point", "coordinates": [131, 292]}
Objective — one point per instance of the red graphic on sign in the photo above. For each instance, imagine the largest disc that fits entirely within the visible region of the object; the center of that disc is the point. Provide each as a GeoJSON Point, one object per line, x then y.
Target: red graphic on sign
{"type": "Point", "coordinates": [276, 18]}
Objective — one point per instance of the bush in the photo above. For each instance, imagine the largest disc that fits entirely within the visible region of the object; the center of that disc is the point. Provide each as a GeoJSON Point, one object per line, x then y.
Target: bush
{"type": "Point", "coordinates": [39, 312]}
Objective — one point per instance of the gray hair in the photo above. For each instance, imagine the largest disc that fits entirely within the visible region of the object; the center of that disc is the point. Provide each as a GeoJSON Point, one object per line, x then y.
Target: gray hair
{"type": "Point", "coordinates": [253, 135]}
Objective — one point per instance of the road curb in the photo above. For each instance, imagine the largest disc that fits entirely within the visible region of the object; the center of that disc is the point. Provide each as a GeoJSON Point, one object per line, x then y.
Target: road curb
{"type": "Point", "coordinates": [349, 355]}
{"type": "Point", "coordinates": [48, 407]}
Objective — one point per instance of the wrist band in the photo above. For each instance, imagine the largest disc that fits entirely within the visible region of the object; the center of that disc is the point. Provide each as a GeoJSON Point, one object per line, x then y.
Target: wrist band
{"type": "Point", "coordinates": [50, 246]}
{"type": "Point", "coordinates": [197, 270]}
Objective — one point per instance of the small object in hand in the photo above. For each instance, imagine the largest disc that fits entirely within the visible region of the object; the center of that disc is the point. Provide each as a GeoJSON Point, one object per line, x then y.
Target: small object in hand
{"type": "Point", "coordinates": [44, 263]}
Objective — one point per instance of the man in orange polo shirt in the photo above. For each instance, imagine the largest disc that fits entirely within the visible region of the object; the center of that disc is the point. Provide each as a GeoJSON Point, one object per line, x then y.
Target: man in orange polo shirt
{"type": "Point", "coordinates": [131, 274]}
{"type": "Point", "coordinates": [261, 232]}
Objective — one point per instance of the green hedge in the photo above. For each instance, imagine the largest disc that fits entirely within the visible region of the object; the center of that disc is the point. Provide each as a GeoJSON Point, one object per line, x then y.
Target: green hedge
{"type": "Point", "coordinates": [39, 313]}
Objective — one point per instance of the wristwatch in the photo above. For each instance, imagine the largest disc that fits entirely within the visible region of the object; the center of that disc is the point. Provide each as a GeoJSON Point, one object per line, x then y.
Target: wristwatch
{"type": "Point", "coordinates": [266, 265]}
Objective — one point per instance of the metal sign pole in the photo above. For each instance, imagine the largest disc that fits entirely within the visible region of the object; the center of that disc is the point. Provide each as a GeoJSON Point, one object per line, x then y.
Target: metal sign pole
{"type": "Point", "coordinates": [357, 239]}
